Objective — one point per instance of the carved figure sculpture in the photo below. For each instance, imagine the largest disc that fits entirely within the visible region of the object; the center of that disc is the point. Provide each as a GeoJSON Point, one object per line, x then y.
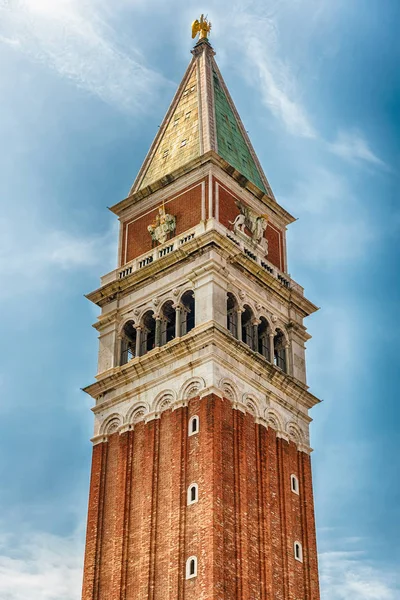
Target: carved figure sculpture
{"type": "Point", "coordinates": [255, 223]}
{"type": "Point", "coordinates": [164, 225]}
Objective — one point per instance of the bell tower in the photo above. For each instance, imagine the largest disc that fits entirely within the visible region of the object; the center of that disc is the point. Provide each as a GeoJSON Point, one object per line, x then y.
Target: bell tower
{"type": "Point", "coordinates": [201, 482]}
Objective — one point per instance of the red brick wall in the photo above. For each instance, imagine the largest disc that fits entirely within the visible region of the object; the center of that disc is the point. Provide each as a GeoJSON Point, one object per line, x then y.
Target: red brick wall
{"type": "Point", "coordinates": [136, 240]}
{"type": "Point", "coordinates": [227, 213]}
{"type": "Point", "coordinates": [242, 529]}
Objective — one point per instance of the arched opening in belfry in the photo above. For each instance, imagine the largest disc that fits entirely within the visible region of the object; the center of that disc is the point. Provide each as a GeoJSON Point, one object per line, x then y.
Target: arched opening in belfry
{"type": "Point", "coordinates": [263, 338]}
{"type": "Point", "coordinates": [232, 314]}
{"type": "Point", "coordinates": [248, 327]}
{"type": "Point", "coordinates": [188, 316]}
{"type": "Point", "coordinates": [279, 350]}
{"type": "Point", "coordinates": [128, 343]}
{"type": "Point", "coordinates": [168, 322]}
{"type": "Point", "coordinates": [148, 332]}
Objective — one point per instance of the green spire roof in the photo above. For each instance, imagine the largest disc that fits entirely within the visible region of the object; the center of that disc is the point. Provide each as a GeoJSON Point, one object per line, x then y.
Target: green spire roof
{"type": "Point", "coordinates": [202, 117]}
{"type": "Point", "coordinates": [231, 144]}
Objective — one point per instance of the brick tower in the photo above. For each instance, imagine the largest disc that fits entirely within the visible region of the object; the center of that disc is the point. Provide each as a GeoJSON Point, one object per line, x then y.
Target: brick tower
{"type": "Point", "coordinates": [201, 481]}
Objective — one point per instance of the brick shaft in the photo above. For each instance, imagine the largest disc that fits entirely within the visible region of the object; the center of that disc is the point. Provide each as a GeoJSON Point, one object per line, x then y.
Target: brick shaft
{"type": "Point", "coordinates": [242, 529]}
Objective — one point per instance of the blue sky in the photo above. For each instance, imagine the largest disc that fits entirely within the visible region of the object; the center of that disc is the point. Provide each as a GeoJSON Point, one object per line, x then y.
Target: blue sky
{"type": "Point", "coordinates": [83, 86]}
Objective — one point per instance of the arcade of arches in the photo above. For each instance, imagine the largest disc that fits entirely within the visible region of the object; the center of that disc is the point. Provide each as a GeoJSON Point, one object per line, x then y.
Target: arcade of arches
{"type": "Point", "coordinates": [175, 320]}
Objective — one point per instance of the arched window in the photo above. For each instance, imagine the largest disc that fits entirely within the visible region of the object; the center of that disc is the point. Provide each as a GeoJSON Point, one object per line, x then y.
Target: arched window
{"type": "Point", "coordinates": [279, 351]}
{"type": "Point", "coordinates": [298, 551]}
{"type": "Point", "coordinates": [191, 567]}
{"type": "Point", "coordinates": [263, 339]}
{"type": "Point", "coordinates": [248, 327]}
{"type": "Point", "coordinates": [294, 484]}
{"type": "Point", "coordinates": [128, 343]}
{"type": "Point", "coordinates": [168, 323]}
{"type": "Point", "coordinates": [148, 332]}
{"type": "Point", "coordinates": [194, 425]}
{"type": "Point", "coordinates": [192, 493]}
{"type": "Point", "coordinates": [188, 312]}
{"type": "Point", "coordinates": [232, 315]}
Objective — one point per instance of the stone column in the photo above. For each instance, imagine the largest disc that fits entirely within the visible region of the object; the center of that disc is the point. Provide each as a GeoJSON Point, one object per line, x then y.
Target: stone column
{"type": "Point", "coordinates": [287, 358]}
{"type": "Point", "coordinates": [271, 348]}
{"type": "Point", "coordinates": [239, 324]}
{"type": "Point", "coordinates": [178, 320]}
{"type": "Point", "coordinates": [255, 335]}
{"type": "Point", "coordinates": [158, 332]}
{"type": "Point", "coordinates": [138, 340]}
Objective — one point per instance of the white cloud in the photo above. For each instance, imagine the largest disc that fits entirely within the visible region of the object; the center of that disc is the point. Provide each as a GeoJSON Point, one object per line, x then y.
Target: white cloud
{"type": "Point", "coordinates": [71, 37]}
{"type": "Point", "coordinates": [352, 146]}
{"type": "Point", "coordinates": [349, 574]}
{"type": "Point", "coordinates": [334, 228]}
{"type": "Point", "coordinates": [40, 566]}
{"type": "Point", "coordinates": [33, 256]}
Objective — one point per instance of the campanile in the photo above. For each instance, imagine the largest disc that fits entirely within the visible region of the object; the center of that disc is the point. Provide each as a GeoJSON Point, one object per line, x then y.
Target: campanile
{"type": "Point", "coordinates": [201, 483]}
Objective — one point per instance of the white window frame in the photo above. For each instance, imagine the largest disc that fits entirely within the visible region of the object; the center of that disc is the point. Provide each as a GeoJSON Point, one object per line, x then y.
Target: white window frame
{"type": "Point", "coordinates": [189, 494]}
{"type": "Point", "coordinates": [296, 487]}
{"type": "Point", "coordinates": [190, 431]}
{"type": "Point", "coordinates": [188, 574]}
{"type": "Point", "coordinates": [300, 548]}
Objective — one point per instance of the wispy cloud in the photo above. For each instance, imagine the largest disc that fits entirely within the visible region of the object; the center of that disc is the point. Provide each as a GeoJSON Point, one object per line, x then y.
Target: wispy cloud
{"type": "Point", "coordinates": [258, 35]}
{"type": "Point", "coordinates": [278, 91]}
{"type": "Point", "coordinates": [40, 566]}
{"type": "Point", "coordinates": [349, 574]}
{"type": "Point", "coordinates": [352, 146]}
{"type": "Point", "coordinates": [71, 37]}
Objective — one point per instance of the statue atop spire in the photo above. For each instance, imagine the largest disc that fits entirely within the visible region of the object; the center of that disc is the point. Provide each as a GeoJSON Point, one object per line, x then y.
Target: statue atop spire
{"type": "Point", "coordinates": [203, 27]}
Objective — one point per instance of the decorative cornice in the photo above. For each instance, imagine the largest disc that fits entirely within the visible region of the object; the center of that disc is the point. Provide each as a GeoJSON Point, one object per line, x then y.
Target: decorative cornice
{"type": "Point", "coordinates": [214, 238]}
{"type": "Point", "coordinates": [210, 157]}
{"type": "Point", "coordinates": [210, 335]}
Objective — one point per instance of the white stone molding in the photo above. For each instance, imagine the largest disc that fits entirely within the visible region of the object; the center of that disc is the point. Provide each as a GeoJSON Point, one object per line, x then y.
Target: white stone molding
{"type": "Point", "coordinates": [264, 313]}
{"type": "Point", "coordinates": [136, 413]}
{"type": "Point", "coordinates": [294, 432]}
{"type": "Point", "coordinates": [124, 320]}
{"type": "Point", "coordinates": [252, 405]}
{"type": "Point", "coordinates": [282, 327]}
{"type": "Point", "coordinates": [163, 401]}
{"type": "Point", "coordinates": [183, 290]}
{"type": "Point", "coordinates": [190, 389]}
{"type": "Point", "coordinates": [230, 390]}
{"type": "Point", "coordinates": [189, 500]}
{"type": "Point", "coordinates": [211, 390]}
{"type": "Point", "coordinates": [111, 424]}
{"type": "Point", "coordinates": [148, 307]}
{"type": "Point", "coordinates": [274, 420]}
{"type": "Point", "coordinates": [235, 294]}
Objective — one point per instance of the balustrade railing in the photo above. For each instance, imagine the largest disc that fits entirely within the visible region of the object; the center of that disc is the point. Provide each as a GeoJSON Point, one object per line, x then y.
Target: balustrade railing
{"type": "Point", "coordinates": [163, 250]}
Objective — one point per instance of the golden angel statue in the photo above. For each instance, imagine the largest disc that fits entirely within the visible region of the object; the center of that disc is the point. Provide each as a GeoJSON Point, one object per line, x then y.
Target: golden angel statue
{"type": "Point", "coordinates": [203, 27]}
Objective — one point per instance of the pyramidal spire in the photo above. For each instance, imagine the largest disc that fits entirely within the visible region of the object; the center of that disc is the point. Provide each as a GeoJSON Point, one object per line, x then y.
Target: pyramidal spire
{"type": "Point", "coordinates": [201, 118]}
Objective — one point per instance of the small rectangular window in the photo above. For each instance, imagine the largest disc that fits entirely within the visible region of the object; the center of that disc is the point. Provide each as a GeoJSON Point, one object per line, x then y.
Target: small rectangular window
{"type": "Point", "coordinates": [165, 153]}
{"type": "Point", "coordinates": [194, 424]}
{"type": "Point", "coordinates": [294, 484]}
{"type": "Point", "coordinates": [298, 551]}
{"type": "Point", "coordinates": [183, 143]}
{"type": "Point", "coordinates": [187, 116]}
